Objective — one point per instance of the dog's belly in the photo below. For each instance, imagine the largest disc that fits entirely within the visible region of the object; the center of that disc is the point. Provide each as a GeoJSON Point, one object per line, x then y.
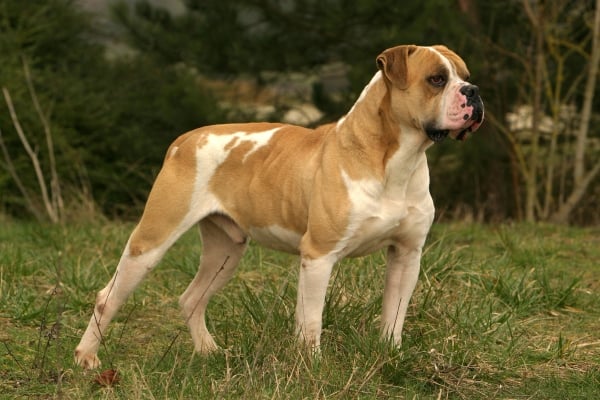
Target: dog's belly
{"type": "Point", "coordinates": [374, 234]}
{"type": "Point", "coordinates": [276, 238]}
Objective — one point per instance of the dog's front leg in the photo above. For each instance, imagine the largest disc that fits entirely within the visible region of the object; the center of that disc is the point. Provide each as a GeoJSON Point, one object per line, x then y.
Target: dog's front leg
{"type": "Point", "coordinates": [312, 288]}
{"type": "Point", "coordinates": [402, 273]}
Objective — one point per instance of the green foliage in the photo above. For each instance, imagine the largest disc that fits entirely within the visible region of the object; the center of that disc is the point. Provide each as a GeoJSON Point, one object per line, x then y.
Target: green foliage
{"type": "Point", "coordinates": [111, 121]}
{"type": "Point", "coordinates": [231, 37]}
{"type": "Point", "coordinates": [112, 118]}
{"type": "Point", "coordinates": [150, 107]}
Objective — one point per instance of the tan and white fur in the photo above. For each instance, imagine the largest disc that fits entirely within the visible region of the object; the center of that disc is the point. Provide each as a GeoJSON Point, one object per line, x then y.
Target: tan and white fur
{"type": "Point", "coordinates": [342, 190]}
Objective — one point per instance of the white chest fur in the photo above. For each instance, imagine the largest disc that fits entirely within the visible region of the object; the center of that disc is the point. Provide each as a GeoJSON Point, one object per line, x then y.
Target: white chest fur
{"type": "Point", "coordinates": [374, 216]}
{"type": "Point", "coordinates": [383, 213]}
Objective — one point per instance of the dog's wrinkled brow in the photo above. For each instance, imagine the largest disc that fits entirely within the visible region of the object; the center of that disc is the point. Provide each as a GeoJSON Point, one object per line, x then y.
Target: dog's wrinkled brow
{"type": "Point", "coordinates": [456, 63]}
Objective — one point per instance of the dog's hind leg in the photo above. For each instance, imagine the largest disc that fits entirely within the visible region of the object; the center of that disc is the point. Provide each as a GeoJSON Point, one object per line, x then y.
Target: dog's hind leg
{"type": "Point", "coordinates": [223, 244]}
{"type": "Point", "coordinates": [131, 270]}
{"type": "Point", "coordinates": [169, 212]}
{"type": "Point", "coordinates": [129, 273]}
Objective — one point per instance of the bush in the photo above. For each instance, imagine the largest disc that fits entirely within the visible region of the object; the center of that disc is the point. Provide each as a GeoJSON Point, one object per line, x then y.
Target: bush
{"type": "Point", "coordinates": [110, 121]}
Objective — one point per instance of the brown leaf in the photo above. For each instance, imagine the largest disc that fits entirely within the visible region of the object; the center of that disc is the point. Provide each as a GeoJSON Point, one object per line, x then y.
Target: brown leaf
{"type": "Point", "coordinates": [108, 377]}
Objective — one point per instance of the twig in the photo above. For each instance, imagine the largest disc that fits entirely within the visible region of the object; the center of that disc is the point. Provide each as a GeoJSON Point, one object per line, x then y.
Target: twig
{"type": "Point", "coordinates": [48, 339]}
{"type": "Point", "coordinates": [588, 99]}
{"type": "Point", "coordinates": [42, 328]}
{"type": "Point", "coordinates": [59, 312]}
{"type": "Point", "coordinates": [53, 333]}
{"type": "Point", "coordinates": [97, 321]}
{"type": "Point", "coordinates": [32, 155]}
{"type": "Point", "coordinates": [191, 314]}
{"type": "Point", "coordinates": [15, 359]}
{"type": "Point", "coordinates": [260, 347]}
{"type": "Point", "coordinates": [57, 200]}
{"type": "Point", "coordinates": [125, 324]}
{"type": "Point", "coordinates": [13, 173]}
{"type": "Point", "coordinates": [396, 318]}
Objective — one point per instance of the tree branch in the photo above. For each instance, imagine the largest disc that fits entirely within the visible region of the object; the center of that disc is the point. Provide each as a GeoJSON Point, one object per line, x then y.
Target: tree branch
{"type": "Point", "coordinates": [562, 215]}
{"type": "Point", "coordinates": [32, 155]}
{"type": "Point", "coordinates": [57, 200]}
{"type": "Point", "coordinates": [588, 99]}
{"type": "Point", "coordinates": [10, 167]}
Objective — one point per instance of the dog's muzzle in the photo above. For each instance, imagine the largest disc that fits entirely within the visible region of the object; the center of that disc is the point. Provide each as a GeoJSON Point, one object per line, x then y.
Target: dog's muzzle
{"type": "Point", "coordinates": [471, 92]}
{"type": "Point", "coordinates": [466, 115]}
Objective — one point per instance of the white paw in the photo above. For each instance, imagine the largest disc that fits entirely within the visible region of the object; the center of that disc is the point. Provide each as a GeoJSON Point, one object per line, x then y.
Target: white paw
{"type": "Point", "coordinates": [311, 341]}
{"type": "Point", "coordinates": [87, 361]}
{"type": "Point", "coordinates": [206, 346]}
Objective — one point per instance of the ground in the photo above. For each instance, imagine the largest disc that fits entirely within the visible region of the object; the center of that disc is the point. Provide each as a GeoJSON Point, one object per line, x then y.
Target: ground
{"type": "Point", "coordinates": [503, 311]}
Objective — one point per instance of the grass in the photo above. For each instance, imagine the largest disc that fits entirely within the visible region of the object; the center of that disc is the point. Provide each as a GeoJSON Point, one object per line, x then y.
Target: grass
{"type": "Point", "coordinates": [500, 312]}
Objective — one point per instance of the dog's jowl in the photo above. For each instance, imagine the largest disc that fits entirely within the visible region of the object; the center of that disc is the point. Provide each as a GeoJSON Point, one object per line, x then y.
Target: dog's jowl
{"type": "Point", "coordinates": [342, 190]}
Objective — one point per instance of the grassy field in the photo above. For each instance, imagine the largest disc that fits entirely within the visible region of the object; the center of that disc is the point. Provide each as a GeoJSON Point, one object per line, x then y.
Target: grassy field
{"type": "Point", "coordinates": [500, 312]}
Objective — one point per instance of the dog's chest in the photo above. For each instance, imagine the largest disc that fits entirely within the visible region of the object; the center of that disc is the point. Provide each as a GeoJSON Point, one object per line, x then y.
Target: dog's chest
{"type": "Point", "coordinates": [374, 224]}
{"type": "Point", "coordinates": [376, 215]}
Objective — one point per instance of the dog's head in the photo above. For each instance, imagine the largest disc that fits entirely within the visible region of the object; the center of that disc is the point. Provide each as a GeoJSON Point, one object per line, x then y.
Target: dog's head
{"type": "Point", "coordinates": [428, 90]}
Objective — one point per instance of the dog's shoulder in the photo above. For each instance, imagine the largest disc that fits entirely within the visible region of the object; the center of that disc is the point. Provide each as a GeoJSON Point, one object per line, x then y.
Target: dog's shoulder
{"type": "Point", "coordinates": [325, 128]}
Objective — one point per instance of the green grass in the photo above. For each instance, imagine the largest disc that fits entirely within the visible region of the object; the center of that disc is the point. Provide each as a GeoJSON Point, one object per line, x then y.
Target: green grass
{"type": "Point", "coordinates": [509, 311]}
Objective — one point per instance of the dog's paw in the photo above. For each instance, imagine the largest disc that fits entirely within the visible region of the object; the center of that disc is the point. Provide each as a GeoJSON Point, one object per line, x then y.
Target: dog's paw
{"type": "Point", "coordinates": [206, 346]}
{"type": "Point", "coordinates": [311, 348]}
{"type": "Point", "coordinates": [86, 361]}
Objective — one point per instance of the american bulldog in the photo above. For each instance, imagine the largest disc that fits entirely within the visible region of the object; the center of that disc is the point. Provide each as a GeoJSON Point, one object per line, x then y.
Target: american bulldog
{"type": "Point", "coordinates": [345, 189]}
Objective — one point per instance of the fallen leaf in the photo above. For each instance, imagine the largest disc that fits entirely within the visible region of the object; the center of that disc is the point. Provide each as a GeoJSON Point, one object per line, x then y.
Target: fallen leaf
{"type": "Point", "coordinates": [109, 377]}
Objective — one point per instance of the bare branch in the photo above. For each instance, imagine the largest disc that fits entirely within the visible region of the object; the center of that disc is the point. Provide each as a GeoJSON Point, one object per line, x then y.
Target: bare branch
{"type": "Point", "coordinates": [588, 99]}
{"type": "Point", "coordinates": [32, 155]}
{"type": "Point", "coordinates": [563, 213]}
{"type": "Point", "coordinates": [531, 14]}
{"type": "Point", "coordinates": [10, 167]}
{"type": "Point", "coordinates": [516, 149]}
{"type": "Point", "coordinates": [57, 200]}
{"type": "Point", "coordinates": [531, 200]}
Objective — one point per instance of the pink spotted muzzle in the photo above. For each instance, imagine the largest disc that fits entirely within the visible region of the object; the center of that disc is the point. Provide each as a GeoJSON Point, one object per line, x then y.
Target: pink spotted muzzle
{"type": "Point", "coordinates": [463, 114]}
{"type": "Point", "coordinates": [473, 110]}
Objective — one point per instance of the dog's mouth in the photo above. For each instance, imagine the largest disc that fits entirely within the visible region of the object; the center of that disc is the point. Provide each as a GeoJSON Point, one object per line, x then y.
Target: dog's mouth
{"type": "Point", "coordinates": [462, 134]}
{"type": "Point", "coordinates": [437, 135]}
{"type": "Point", "coordinates": [471, 125]}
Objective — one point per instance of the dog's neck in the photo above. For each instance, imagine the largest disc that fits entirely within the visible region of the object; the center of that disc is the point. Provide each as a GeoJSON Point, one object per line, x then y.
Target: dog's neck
{"type": "Point", "coordinates": [371, 135]}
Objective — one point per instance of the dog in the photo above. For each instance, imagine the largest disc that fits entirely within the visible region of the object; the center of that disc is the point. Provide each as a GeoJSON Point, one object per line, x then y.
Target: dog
{"type": "Point", "coordinates": [345, 189]}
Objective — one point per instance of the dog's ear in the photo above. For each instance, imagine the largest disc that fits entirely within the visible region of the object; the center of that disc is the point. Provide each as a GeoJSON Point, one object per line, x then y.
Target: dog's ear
{"type": "Point", "coordinates": [393, 63]}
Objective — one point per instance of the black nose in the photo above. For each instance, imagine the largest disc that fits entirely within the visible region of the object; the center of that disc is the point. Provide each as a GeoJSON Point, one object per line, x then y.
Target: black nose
{"type": "Point", "coordinates": [470, 91]}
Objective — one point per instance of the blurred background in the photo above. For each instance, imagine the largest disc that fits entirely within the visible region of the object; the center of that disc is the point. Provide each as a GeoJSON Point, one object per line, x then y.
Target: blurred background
{"type": "Point", "coordinates": [94, 91]}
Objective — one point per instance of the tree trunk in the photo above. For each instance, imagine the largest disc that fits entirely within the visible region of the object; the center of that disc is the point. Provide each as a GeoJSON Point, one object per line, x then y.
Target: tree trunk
{"type": "Point", "coordinates": [588, 100]}
{"type": "Point", "coordinates": [564, 212]}
{"type": "Point", "coordinates": [531, 190]}
{"type": "Point", "coordinates": [582, 180]}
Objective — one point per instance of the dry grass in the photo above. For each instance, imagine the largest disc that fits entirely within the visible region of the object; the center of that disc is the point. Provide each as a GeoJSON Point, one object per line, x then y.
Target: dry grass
{"type": "Point", "coordinates": [500, 312]}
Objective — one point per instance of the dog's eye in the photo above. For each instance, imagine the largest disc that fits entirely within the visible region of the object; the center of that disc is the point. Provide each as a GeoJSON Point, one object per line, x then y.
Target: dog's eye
{"type": "Point", "coordinates": [437, 80]}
